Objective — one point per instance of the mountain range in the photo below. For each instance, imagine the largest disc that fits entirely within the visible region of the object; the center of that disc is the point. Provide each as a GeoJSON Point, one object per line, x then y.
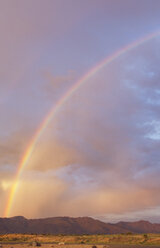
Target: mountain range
{"type": "Point", "coordinates": [68, 225]}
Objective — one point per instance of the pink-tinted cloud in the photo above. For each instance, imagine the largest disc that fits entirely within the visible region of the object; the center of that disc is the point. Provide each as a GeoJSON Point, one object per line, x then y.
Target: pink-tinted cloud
{"type": "Point", "coordinates": [101, 151]}
{"type": "Point", "coordinates": [99, 146]}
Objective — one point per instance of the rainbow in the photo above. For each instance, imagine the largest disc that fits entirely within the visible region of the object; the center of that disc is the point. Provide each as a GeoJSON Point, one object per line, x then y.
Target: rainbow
{"type": "Point", "coordinates": [30, 148]}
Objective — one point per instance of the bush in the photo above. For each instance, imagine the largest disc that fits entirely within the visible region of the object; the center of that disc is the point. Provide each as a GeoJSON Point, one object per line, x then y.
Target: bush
{"type": "Point", "coordinates": [145, 236]}
{"type": "Point", "coordinates": [94, 246]}
{"type": "Point", "coordinates": [35, 243]}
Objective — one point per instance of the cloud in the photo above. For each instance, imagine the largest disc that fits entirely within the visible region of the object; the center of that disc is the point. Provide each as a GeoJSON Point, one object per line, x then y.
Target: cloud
{"type": "Point", "coordinates": [56, 81]}
{"type": "Point", "coordinates": [57, 85]}
{"type": "Point", "coordinates": [12, 147]}
{"type": "Point", "coordinates": [47, 195]}
{"type": "Point", "coordinates": [36, 196]}
{"type": "Point", "coordinates": [97, 156]}
{"type": "Point", "coordinates": [101, 151]}
{"type": "Point", "coordinates": [27, 33]}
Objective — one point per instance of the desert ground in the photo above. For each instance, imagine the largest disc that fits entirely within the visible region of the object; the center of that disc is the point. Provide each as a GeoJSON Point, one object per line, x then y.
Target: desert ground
{"type": "Point", "coordinates": [81, 241]}
{"type": "Point", "coordinates": [77, 246]}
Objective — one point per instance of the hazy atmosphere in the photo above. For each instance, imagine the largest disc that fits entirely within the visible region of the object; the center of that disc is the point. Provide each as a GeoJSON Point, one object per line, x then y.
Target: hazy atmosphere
{"type": "Point", "coordinates": [98, 153]}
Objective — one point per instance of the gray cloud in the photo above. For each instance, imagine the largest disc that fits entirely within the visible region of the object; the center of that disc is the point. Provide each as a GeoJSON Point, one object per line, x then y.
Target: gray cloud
{"type": "Point", "coordinates": [99, 145]}
{"type": "Point", "coordinates": [101, 151]}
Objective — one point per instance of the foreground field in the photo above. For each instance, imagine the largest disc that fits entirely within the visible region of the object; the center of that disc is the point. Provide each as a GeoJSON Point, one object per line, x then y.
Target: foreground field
{"type": "Point", "coordinates": [76, 246]}
{"type": "Point", "coordinates": [86, 241]}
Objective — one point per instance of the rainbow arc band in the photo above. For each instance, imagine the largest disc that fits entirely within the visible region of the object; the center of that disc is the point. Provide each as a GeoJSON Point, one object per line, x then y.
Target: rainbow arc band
{"type": "Point", "coordinates": [51, 114]}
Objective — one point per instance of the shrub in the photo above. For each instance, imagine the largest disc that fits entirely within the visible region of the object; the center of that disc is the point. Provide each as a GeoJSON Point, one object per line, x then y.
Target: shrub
{"type": "Point", "coordinates": [145, 236]}
{"type": "Point", "coordinates": [94, 246]}
{"type": "Point", "coordinates": [35, 243]}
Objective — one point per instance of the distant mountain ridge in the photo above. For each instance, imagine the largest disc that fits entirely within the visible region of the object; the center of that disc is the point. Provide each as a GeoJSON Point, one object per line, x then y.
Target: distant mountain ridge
{"type": "Point", "coordinates": [68, 225]}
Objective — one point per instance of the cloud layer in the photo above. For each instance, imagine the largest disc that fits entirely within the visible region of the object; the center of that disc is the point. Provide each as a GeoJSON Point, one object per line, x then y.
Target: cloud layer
{"type": "Point", "coordinates": [99, 155]}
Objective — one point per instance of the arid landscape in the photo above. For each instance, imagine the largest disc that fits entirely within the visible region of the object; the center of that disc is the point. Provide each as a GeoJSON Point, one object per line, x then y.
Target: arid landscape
{"type": "Point", "coordinates": [81, 241]}
{"type": "Point", "coordinates": [67, 232]}
{"type": "Point", "coordinates": [76, 246]}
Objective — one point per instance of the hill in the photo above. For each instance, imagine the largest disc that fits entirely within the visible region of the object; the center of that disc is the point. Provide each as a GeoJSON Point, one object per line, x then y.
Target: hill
{"type": "Point", "coordinates": [68, 225]}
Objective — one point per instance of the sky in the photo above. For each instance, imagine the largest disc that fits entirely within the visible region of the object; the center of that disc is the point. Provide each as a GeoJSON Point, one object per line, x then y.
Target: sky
{"type": "Point", "coordinates": [99, 154]}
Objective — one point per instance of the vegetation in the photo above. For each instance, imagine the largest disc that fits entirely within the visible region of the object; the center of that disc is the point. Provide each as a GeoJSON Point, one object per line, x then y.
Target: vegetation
{"type": "Point", "coordinates": [93, 240]}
